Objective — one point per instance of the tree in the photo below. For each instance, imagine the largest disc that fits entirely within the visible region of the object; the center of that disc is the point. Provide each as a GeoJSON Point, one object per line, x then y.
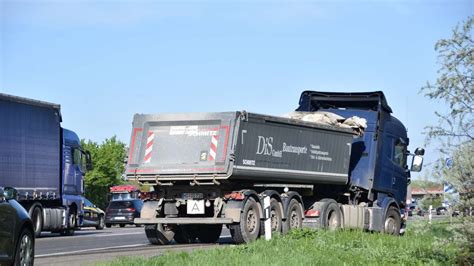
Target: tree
{"type": "Point", "coordinates": [455, 130]}
{"type": "Point", "coordinates": [454, 86]}
{"type": "Point", "coordinates": [108, 166]}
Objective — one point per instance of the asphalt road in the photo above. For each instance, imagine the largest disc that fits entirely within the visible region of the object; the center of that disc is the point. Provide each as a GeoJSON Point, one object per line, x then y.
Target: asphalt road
{"type": "Point", "coordinates": [89, 246]}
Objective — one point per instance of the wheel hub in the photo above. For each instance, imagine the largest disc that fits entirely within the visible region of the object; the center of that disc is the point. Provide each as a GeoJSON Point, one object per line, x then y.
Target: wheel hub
{"type": "Point", "coordinates": [25, 250]}
{"type": "Point", "coordinates": [251, 221]}
{"type": "Point", "coordinates": [390, 225]}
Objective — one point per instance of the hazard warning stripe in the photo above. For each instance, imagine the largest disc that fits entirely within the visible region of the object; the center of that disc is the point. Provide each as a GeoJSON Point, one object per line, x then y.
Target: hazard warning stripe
{"type": "Point", "coordinates": [149, 147]}
{"type": "Point", "coordinates": [213, 149]}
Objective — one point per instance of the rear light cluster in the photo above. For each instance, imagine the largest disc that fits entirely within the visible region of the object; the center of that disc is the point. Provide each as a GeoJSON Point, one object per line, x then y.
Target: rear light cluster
{"type": "Point", "coordinates": [312, 213]}
{"type": "Point", "coordinates": [130, 209]}
{"type": "Point", "coordinates": [235, 196]}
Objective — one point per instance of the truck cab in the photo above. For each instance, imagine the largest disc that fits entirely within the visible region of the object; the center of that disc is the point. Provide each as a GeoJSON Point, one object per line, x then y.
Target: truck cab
{"type": "Point", "coordinates": [75, 164]}
{"type": "Point", "coordinates": [378, 169]}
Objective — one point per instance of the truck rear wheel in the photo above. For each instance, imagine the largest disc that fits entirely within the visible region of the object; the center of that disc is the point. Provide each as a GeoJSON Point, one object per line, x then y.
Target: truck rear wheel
{"type": "Point", "coordinates": [249, 227]}
{"type": "Point", "coordinates": [392, 222]}
{"type": "Point", "coordinates": [331, 216]}
{"type": "Point", "coordinates": [276, 217]}
{"type": "Point", "coordinates": [209, 233]}
{"type": "Point", "coordinates": [159, 234]}
{"type": "Point", "coordinates": [294, 217]}
{"type": "Point", "coordinates": [37, 219]}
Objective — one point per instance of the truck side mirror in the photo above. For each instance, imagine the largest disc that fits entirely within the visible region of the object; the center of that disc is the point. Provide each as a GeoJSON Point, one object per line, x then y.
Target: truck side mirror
{"type": "Point", "coordinates": [89, 165]}
{"type": "Point", "coordinates": [417, 163]}
{"type": "Point", "coordinates": [10, 193]}
{"type": "Point", "coordinates": [420, 151]}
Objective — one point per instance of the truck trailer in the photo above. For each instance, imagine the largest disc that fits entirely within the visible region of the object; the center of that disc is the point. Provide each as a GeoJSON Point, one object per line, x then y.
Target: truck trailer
{"type": "Point", "coordinates": [44, 162]}
{"type": "Point", "coordinates": [213, 169]}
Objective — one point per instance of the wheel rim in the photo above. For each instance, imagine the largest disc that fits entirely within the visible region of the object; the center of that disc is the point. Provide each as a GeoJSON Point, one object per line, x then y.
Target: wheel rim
{"type": "Point", "coordinates": [294, 218]}
{"type": "Point", "coordinates": [390, 225]}
{"type": "Point", "coordinates": [251, 221]}
{"type": "Point", "coordinates": [333, 222]}
{"type": "Point", "coordinates": [101, 222]}
{"type": "Point", "coordinates": [274, 220]}
{"type": "Point", "coordinates": [72, 220]}
{"type": "Point", "coordinates": [26, 250]}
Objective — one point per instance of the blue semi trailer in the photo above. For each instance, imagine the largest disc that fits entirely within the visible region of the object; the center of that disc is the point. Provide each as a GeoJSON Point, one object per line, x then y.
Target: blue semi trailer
{"type": "Point", "coordinates": [44, 162]}
{"type": "Point", "coordinates": [214, 169]}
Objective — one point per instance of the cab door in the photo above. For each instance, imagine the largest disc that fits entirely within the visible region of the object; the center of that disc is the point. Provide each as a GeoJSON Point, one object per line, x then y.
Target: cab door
{"type": "Point", "coordinates": [400, 169]}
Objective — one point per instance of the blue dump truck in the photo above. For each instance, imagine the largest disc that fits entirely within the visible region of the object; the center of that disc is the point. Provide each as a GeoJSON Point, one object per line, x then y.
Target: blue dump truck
{"type": "Point", "coordinates": [43, 162]}
{"type": "Point", "coordinates": [214, 169]}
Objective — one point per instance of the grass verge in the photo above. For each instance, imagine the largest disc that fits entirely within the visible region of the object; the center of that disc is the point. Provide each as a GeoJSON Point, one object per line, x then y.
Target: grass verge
{"type": "Point", "coordinates": [435, 244]}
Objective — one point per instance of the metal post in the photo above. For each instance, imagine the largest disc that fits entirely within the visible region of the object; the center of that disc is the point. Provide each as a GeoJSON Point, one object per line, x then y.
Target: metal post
{"type": "Point", "coordinates": [268, 220]}
{"type": "Point", "coordinates": [430, 215]}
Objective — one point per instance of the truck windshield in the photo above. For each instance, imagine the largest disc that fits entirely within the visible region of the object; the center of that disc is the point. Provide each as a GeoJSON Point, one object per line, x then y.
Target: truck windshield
{"type": "Point", "coordinates": [121, 196]}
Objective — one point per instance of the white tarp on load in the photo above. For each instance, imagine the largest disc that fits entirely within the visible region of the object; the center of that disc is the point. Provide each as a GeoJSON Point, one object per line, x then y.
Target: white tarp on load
{"type": "Point", "coordinates": [327, 118]}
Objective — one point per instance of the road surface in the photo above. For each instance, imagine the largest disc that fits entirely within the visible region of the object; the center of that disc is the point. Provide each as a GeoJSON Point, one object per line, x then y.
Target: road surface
{"type": "Point", "coordinates": [89, 246]}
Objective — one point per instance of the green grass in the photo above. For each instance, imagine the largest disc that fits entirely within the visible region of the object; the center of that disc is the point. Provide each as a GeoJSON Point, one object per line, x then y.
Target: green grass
{"type": "Point", "coordinates": [436, 244]}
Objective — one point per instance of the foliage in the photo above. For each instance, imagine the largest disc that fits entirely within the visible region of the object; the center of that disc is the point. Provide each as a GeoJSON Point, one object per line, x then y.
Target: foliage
{"type": "Point", "coordinates": [455, 130]}
{"type": "Point", "coordinates": [425, 184]}
{"type": "Point", "coordinates": [434, 201]}
{"type": "Point", "coordinates": [435, 244]}
{"type": "Point", "coordinates": [108, 162]}
{"type": "Point", "coordinates": [461, 174]}
{"type": "Point", "coordinates": [454, 85]}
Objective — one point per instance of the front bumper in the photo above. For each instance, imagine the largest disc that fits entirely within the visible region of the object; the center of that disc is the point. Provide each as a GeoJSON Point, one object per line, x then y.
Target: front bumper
{"type": "Point", "coordinates": [196, 220]}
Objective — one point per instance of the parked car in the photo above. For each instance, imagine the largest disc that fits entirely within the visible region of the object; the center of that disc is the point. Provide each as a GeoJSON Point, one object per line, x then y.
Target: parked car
{"type": "Point", "coordinates": [441, 211]}
{"type": "Point", "coordinates": [17, 239]}
{"type": "Point", "coordinates": [411, 210]}
{"type": "Point", "coordinates": [93, 216]}
{"type": "Point", "coordinates": [122, 212]}
{"type": "Point", "coordinates": [420, 212]}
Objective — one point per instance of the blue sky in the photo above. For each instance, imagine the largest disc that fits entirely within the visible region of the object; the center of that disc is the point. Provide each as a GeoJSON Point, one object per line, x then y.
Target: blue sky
{"type": "Point", "coordinates": [103, 61]}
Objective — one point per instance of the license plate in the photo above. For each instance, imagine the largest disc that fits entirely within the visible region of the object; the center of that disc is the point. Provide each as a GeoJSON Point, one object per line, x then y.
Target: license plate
{"type": "Point", "coordinates": [192, 196]}
{"type": "Point", "coordinates": [195, 206]}
{"type": "Point", "coordinates": [119, 218]}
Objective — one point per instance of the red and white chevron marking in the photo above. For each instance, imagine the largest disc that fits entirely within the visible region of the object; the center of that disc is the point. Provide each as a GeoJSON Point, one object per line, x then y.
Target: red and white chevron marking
{"type": "Point", "coordinates": [149, 147]}
{"type": "Point", "coordinates": [213, 150]}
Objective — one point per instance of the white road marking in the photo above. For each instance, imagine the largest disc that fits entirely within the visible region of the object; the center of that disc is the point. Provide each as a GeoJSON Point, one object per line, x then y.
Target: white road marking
{"type": "Point", "coordinates": [101, 249]}
{"type": "Point", "coordinates": [118, 234]}
{"type": "Point", "coordinates": [79, 235]}
{"type": "Point", "coordinates": [88, 250]}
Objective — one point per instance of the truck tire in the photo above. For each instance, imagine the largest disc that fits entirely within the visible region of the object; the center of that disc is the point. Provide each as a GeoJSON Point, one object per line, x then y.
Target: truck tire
{"type": "Point", "coordinates": [276, 216]}
{"type": "Point", "coordinates": [101, 224]}
{"type": "Point", "coordinates": [294, 217]}
{"type": "Point", "coordinates": [392, 222]}
{"type": "Point", "coordinates": [72, 223]}
{"type": "Point", "coordinates": [158, 234]}
{"type": "Point", "coordinates": [37, 219]}
{"type": "Point", "coordinates": [331, 216]}
{"type": "Point", "coordinates": [25, 251]}
{"type": "Point", "coordinates": [249, 227]}
{"type": "Point", "coordinates": [209, 233]}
